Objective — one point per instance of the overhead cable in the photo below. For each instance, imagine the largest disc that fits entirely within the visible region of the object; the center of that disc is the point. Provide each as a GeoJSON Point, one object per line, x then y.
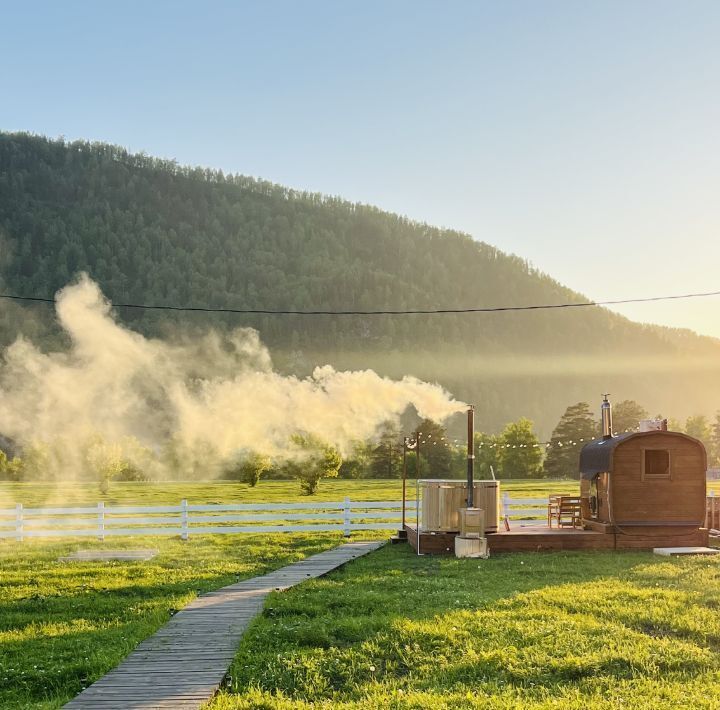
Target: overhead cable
{"type": "Point", "coordinates": [398, 312]}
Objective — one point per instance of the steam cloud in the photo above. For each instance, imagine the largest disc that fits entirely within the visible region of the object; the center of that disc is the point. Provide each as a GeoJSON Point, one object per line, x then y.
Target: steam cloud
{"type": "Point", "coordinates": [215, 394]}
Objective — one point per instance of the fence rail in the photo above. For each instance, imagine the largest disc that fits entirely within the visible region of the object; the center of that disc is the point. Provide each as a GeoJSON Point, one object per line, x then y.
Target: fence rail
{"type": "Point", "coordinates": [186, 519]}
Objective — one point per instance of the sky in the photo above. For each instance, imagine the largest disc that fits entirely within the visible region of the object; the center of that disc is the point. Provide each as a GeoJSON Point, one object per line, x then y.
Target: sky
{"type": "Point", "coordinates": [583, 136]}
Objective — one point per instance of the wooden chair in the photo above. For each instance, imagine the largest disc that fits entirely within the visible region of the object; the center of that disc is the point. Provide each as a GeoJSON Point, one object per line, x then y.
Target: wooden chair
{"type": "Point", "coordinates": [552, 508]}
{"type": "Point", "coordinates": [565, 511]}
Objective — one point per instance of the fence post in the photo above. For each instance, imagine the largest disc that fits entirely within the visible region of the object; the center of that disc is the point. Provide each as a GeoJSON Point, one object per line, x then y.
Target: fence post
{"type": "Point", "coordinates": [18, 522]}
{"type": "Point", "coordinates": [712, 514]}
{"type": "Point", "coordinates": [101, 521]}
{"type": "Point", "coordinates": [184, 520]}
{"type": "Point", "coordinates": [710, 510]}
{"type": "Point", "coordinates": [346, 517]}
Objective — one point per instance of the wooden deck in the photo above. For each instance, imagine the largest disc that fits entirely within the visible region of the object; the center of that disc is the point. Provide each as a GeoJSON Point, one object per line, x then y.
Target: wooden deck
{"type": "Point", "coordinates": [540, 538]}
{"type": "Point", "coordinates": [184, 663]}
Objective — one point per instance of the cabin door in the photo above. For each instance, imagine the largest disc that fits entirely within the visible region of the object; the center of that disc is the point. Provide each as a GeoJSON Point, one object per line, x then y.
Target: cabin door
{"type": "Point", "coordinates": [598, 497]}
{"type": "Point", "coordinates": [593, 498]}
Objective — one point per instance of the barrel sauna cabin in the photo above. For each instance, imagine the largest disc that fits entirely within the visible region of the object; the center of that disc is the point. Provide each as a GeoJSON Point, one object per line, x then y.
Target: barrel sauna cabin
{"type": "Point", "coordinates": [646, 488]}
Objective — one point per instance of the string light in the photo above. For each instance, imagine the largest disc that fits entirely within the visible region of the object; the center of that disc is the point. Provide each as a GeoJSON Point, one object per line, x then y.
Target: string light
{"type": "Point", "coordinates": [412, 443]}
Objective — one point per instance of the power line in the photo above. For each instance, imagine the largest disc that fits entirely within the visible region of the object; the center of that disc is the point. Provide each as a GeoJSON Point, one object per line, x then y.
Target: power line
{"type": "Point", "coordinates": [409, 312]}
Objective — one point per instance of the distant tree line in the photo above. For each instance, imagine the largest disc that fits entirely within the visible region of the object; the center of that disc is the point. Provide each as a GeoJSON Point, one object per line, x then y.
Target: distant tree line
{"type": "Point", "coordinates": [515, 453]}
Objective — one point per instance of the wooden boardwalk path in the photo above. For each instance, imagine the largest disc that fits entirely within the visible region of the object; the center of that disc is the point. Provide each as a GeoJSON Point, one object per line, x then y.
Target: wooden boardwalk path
{"type": "Point", "coordinates": [184, 663]}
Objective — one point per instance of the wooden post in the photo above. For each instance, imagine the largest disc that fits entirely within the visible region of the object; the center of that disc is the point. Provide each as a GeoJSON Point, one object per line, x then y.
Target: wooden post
{"type": "Point", "coordinates": [404, 478]}
{"type": "Point", "coordinates": [401, 535]}
{"type": "Point", "coordinates": [18, 522]}
{"type": "Point", "coordinates": [346, 517]}
{"type": "Point", "coordinates": [506, 510]}
{"type": "Point", "coordinates": [708, 514]}
{"type": "Point", "coordinates": [417, 508]}
{"type": "Point", "coordinates": [101, 521]}
{"type": "Point", "coordinates": [713, 523]}
{"type": "Point", "coordinates": [417, 455]}
{"type": "Point", "coordinates": [470, 455]}
{"type": "Point", "coordinates": [184, 520]}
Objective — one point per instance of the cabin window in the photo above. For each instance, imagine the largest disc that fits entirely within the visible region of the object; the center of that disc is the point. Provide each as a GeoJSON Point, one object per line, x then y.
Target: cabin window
{"type": "Point", "coordinates": [656, 464]}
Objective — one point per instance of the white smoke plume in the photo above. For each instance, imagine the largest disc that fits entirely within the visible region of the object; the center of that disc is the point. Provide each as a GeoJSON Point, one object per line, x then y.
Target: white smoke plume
{"type": "Point", "coordinates": [218, 394]}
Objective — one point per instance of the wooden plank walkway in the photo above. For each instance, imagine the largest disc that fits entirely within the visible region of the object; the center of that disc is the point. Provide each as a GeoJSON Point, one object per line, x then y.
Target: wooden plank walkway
{"type": "Point", "coordinates": [184, 663]}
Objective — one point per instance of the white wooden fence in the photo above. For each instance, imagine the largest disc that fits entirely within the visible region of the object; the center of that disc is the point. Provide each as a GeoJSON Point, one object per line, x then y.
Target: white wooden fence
{"type": "Point", "coordinates": [524, 508]}
{"type": "Point", "coordinates": [103, 521]}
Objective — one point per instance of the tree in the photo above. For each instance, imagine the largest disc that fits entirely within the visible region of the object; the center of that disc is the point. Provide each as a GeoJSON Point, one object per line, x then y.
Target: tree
{"type": "Point", "coordinates": [520, 452]}
{"type": "Point", "coordinates": [575, 428]}
{"type": "Point", "coordinates": [487, 456]}
{"type": "Point", "coordinates": [357, 464]}
{"type": "Point", "coordinates": [458, 460]}
{"type": "Point", "coordinates": [386, 456]}
{"type": "Point", "coordinates": [627, 415]}
{"type": "Point", "coordinates": [104, 461]}
{"type": "Point", "coordinates": [412, 463]}
{"type": "Point", "coordinates": [316, 460]}
{"type": "Point", "coordinates": [250, 469]}
{"type": "Point", "coordinates": [435, 456]}
{"type": "Point", "coordinates": [698, 427]}
{"type": "Point", "coordinates": [10, 469]}
{"type": "Point", "coordinates": [714, 451]}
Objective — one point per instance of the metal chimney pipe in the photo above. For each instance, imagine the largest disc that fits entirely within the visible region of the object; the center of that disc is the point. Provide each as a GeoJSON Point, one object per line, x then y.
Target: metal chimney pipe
{"type": "Point", "coordinates": [606, 415]}
{"type": "Point", "coordinates": [470, 454]}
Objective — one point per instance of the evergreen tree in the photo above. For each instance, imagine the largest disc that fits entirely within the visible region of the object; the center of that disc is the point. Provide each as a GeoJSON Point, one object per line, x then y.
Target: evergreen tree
{"type": "Point", "coordinates": [714, 450]}
{"type": "Point", "coordinates": [627, 415]}
{"type": "Point", "coordinates": [386, 457]}
{"type": "Point", "coordinates": [435, 457]}
{"type": "Point", "coordinates": [575, 428]}
{"type": "Point", "coordinates": [699, 427]}
{"type": "Point", "coordinates": [357, 464]}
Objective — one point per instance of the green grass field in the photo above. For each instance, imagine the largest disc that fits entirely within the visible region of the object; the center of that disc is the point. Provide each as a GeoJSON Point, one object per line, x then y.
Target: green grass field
{"type": "Point", "coordinates": [36, 494]}
{"type": "Point", "coordinates": [62, 625]}
{"type": "Point", "coordinates": [578, 631]}
{"type": "Point", "coordinates": [436, 631]}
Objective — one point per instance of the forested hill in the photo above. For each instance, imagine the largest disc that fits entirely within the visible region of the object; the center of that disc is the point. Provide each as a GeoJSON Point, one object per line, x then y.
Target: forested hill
{"type": "Point", "coordinates": [151, 231]}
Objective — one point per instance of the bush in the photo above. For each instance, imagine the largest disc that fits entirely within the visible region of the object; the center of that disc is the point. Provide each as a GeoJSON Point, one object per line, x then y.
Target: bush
{"type": "Point", "coordinates": [10, 469]}
{"type": "Point", "coordinates": [250, 469]}
{"type": "Point", "coordinates": [316, 460]}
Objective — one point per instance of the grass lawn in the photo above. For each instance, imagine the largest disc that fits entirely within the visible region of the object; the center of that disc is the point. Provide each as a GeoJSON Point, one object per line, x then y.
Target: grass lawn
{"type": "Point", "coordinates": [37, 494]}
{"type": "Point", "coordinates": [62, 625]}
{"type": "Point", "coordinates": [526, 628]}
{"type": "Point", "coordinates": [564, 630]}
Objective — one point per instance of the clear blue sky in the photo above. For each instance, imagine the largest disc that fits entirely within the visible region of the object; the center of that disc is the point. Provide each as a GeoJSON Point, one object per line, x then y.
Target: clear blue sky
{"type": "Point", "coordinates": [582, 135]}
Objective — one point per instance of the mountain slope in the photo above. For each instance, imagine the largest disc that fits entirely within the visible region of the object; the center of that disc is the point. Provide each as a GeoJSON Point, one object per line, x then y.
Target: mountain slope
{"type": "Point", "coordinates": [150, 231]}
